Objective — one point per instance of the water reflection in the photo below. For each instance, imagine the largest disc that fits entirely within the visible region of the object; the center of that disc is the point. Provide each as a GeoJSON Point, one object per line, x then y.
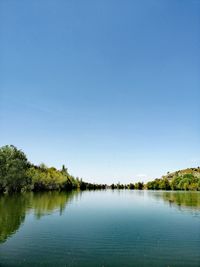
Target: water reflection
{"type": "Point", "coordinates": [13, 208]}
{"type": "Point", "coordinates": [12, 214]}
{"type": "Point", "coordinates": [46, 203]}
{"type": "Point", "coordinates": [185, 201]}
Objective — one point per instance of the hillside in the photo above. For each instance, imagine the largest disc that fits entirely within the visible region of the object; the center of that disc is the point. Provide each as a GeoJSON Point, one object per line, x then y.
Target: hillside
{"type": "Point", "coordinates": [193, 171]}
{"type": "Point", "coordinates": [187, 179]}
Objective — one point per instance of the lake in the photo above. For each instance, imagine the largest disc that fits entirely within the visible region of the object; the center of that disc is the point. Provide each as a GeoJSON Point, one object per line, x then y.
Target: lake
{"type": "Point", "coordinates": [100, 228]}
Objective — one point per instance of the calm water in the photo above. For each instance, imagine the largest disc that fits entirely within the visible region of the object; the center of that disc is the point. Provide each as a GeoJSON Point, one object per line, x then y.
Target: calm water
{"type": "Point", "coordinates": [101, 228]}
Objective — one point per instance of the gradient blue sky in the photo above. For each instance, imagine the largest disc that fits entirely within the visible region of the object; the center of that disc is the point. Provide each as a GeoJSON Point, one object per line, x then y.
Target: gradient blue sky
{"type": "Point", "coordinates": [110, 88]}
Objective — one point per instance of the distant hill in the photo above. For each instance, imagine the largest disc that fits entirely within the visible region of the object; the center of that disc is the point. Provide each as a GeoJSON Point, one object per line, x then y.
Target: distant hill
{"type": "Point", "coordinates": [187, 179]}
{"type": "Point", "coordinates": [194, 171]}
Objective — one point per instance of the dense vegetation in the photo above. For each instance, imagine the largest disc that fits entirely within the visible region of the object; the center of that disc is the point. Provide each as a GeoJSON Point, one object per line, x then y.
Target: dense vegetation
{"type": "Point", "coordinates": [188, 179]}
{"type": "Point", "coordinates": [17, 174]}
{"type": "Point", "coordinates": [139, 186]}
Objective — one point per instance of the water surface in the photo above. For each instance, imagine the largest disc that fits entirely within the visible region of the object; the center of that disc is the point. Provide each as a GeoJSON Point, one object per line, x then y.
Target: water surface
{"type": "Point", "coordinates": [100, 228]}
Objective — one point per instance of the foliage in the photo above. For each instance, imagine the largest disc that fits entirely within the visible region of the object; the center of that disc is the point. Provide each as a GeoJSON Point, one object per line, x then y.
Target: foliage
{"type": "Point", "coordinates": [13, 168]}
{"type": "Point", "coordinates": [139, 186]}
{"type": "Point", "coordinates": [186, 181]}
{"type": "Point", "coordinates": [18, 175]}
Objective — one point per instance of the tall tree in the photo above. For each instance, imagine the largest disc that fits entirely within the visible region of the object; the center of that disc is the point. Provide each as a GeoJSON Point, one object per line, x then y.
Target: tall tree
{"type": "Point", "coordinates": [13, 167]}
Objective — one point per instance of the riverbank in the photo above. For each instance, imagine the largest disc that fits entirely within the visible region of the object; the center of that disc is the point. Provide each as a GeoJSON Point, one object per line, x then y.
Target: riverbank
{"type": "Point", "coordinates": [17, 174]}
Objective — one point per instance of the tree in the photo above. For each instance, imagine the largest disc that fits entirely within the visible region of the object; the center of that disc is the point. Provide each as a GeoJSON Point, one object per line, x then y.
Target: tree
{"type": "Point", "coordinates": [64, 169]}
{"type": "Point", "coordinates": [112, 186]}
{"type": "Point", "coordinates": [139, 185]}
{"type": "Point", "coordinates": [164, 184]}
{"type": "Point", "coordinates": [13, 167]}
{"type": "Point", "coordinates": [131, 186]}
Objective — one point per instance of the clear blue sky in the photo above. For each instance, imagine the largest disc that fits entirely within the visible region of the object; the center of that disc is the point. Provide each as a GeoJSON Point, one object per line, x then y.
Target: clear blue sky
{"type": "Point", "coordinates": [110, 88]}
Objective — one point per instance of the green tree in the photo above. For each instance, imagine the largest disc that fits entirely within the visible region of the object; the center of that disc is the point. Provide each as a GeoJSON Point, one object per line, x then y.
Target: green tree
{"type": "Point", "coordinates": [139, 185]}
{"type": "Point", "coordinates": [131, 186]}
{"type": "Point", "coordinates": [13, 167]}
{"type": "Point", "coordinates": [164, 184]}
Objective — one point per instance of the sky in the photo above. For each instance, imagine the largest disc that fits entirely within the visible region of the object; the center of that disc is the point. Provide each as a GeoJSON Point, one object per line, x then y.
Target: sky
{"type": "Point", "coordinates": [109, 88]}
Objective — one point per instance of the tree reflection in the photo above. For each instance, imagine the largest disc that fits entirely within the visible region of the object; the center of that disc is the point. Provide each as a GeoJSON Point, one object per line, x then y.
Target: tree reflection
{"type": "Point", "coordinates": [13, 208]}
{"type": "Point", "coordinates": [12, 214]}
{"type": "Point", "coordinates": [46, 203]}
{"type": "Point", "coordinates": [184, 200]}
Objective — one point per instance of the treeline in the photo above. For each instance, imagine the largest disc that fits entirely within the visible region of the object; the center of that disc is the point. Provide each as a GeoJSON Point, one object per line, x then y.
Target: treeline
{"type": "Point", "coordinates": [139, 186]}
{"type": "Point", "coordinates": [17, 174]}
{"type": "Point", "coordinates": [183, 181]}
{"type": "Point", "coordinates": [186, 181]}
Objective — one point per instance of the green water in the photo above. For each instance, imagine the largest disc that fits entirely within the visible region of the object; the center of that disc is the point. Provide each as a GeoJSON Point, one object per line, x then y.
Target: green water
{"type": "Point", "coordinates": [100, 228]}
